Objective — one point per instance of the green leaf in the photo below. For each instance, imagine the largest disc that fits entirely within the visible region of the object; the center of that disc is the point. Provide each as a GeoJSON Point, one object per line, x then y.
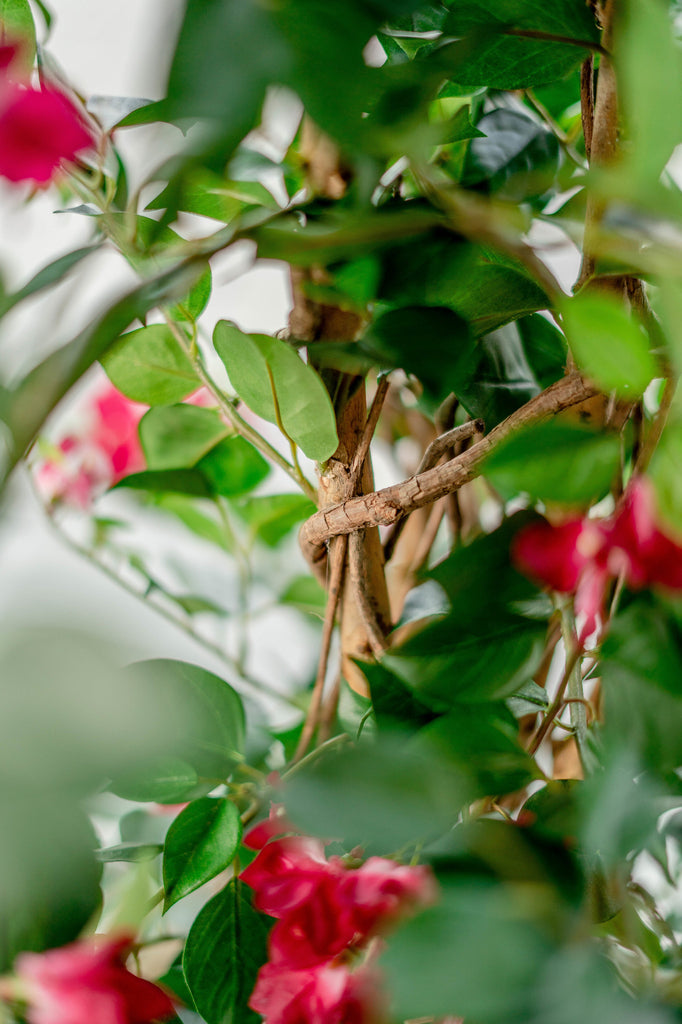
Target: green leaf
{"type": "Point", "coordinates": [608, 344]}
{"type": "Point", "coordinates": [490, 931]}
{"type": "Point", "coordinates": [45, 278]}
{"type": "Point", "coordinates": [25, 408]}
{"type": "Point", "coordinates": [197, 300]}
{"type": "Point", "coordinates": [380, 796]}
{"type": "Point", "coordinates": [642, 679]}
{"type": "Point", "coordinates": [306, 594]}
{"type": "Point", "coordinates": [209, 195]}
{"type": "Point", "coordinates": [178, 436]}
{"type": "Point", "coordinates": [17, 25]}
{"type": "Point", "coordinates": [206, 737]}
{"type": "Point", "coordinates": [272, 516]}
{"type": "Point", "coordinates": [545, 348]}
{"type": "Point", "coordinates": [128, 852]}
{"type": "Point", "coordinates": [518, 158]}
{"type": "Point", "coordinates": [556, 462]}
{"type": "Point", "coordinates": [168, 481]}
{"type": "Point", "coordinates": [200, 843]}
{"type": "Point", "coordinates": [149, 365]}
{"type": "Point", "coordinates": [233, 467]}
{"type": "Point", "coordinates": [226, 946]}
{"type": "Point", "coordinates": [445, 345]}
{"type": "Point", "coordinates": [167, 780]}
{"type": "Point", "coordinates": [200, 523]}
{"type": "Point", "coordinates": [264, 370]}
{"type": "Point", "coordinates": [492, 58]}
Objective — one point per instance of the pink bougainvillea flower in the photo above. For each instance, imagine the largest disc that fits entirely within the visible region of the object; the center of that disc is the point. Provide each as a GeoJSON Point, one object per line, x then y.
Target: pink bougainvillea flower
{"type": "Point", "coordinates": [582, 556]}
{"type": "Point", "coordinates": [39, 128]}
{"type": "Point", "coordinates": [317, 930]}
{"type": "Point", "coordinates": [105, 448]}
{"type": "Point", "coordinates": [381, 891]}
{"type": "Point", "coordinates": [286, 873]}
{"type": "Point", "coordinates": [87, 982]}
{"type": "Point", "coordinates": [276, 824]}
{"type": "Point", "coordinates": [319, 995]}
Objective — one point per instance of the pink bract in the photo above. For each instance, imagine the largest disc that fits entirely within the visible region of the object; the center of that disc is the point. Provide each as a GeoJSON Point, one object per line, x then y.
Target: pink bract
{"type": "Point", "coordinates": [581, 556]}
{"type": "Point", "coordinates": [320, 995]}
{"type": "Point", "coordinates": [39, 128]}
{"type": "Point", "coordinates": [286, 873]}
{"type": "Point", "coordinates": [87, 982]}
{"type": "Point", "coordinates": [380, 891]}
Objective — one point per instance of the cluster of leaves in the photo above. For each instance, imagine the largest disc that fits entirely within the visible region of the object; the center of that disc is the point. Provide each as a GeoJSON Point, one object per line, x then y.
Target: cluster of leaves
{"type": "Point", "coordinates": [457, 136]}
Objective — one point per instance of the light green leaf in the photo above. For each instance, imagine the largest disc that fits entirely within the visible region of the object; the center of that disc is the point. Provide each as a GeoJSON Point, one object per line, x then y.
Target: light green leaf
{"type": "Point", "coordinates": [200, 843]}
{"type": "Point", "coordinates": [272, 516]}
{"type": "Point", "coordinates": [264, 370]}
{"type": "Point", "coordinates": [555, 462]}
{"type": "Point", "coordinates": [177, 436]}
{"type": "Point", "coordinates": [225, 948]}
{"type": "Point", "coordinates": [148, 365]}
{"type": "Point", "coordinates": [610, 346]}
{"type": "Point", "coordinates": [45, 278]}
{"type": "Point", "coordinates": [16, 25]}
{"type": "Point", "coordinates": [306, 594]}
{"type": "Point", "coordinates": [129, 852]}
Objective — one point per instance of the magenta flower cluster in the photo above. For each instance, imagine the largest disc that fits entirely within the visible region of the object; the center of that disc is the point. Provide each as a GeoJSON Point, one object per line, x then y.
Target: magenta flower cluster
{"type": "Point", "coordinates": [582, 556]}
{"type": "Point", "coordinates": [328, 915]}
{"type": "Point", "coordinates": [87, 982]}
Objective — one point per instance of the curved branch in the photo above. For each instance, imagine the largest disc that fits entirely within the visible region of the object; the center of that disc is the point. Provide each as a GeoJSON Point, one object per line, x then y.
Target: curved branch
{"type": "Point", "coordinates": [381, 508]}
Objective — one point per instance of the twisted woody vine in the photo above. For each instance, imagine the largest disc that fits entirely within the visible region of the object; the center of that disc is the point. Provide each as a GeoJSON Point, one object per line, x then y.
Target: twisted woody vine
{"type": "Point", "coordinates": [453, 482]}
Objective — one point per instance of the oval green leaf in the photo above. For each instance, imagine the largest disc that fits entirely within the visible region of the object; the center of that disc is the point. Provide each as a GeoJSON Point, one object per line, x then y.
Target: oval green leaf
{"type": "Point", "coordinates": [177, 436]}
{"type": "Point", "coordinates": [608, 344]}
{"type": "Point", "coordinates": [265, 371]}
{"type": "Point", "coordinates": [225, 948]}
{"type": "Point", "coordinates": [200, 843]}
{"type": "Point", "coordinates": [148, 365]}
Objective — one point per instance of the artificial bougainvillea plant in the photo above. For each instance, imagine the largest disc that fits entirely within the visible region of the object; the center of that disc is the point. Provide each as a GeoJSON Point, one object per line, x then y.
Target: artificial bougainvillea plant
{"type": "Point", "coordinates": [471, 810]}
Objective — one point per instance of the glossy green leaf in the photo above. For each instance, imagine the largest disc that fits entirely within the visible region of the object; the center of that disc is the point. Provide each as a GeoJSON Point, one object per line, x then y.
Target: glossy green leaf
{"type": "Point", "coordinates": [149, 365]}
{"type": "Point", "coordinates": [197, 300]}
{"type": "Point", "coordinates": [167, 780]}
{"type": "Point", "coordinates": [499, 60]}
{"type": "Point", "coordinates": [168, 481]}
{"type": "Point", "coordinates": [17, 25]}
{"type": "Point", "coordinates": [608, 344]}
{"type": "Point", "coordinates": [544, 347]}
{"type": "Point", "coordinates": [200, 843]}
{"type": "Point", "coordinates": [556, 462]}
{"type": "Point", "coordinates": [518, 158]}
{"type": "Point", "coordinates": [209, 528]}
{"type": "Point", "coordinates": [264, 371]}
{"type": "Point", "coordinates": [226, 946]}
{"type": "Point", "coordinates": [445, 345]}
{"type": "Point", "coordinates": [233, 467]}
{"type": "Point", "coordinates": [272, 516]}
{"type": "Point", "coordinates": [209, 195]}
{"type": "Point", "coordinates": [178, 436]}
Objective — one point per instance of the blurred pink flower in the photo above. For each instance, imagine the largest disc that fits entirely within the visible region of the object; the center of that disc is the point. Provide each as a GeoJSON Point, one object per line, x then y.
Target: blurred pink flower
{"type": "Point", "coordinates": [327, 914]}
{"type": "Point", "coordinates": [319, 995]}
{"type": "Point", "coordinates": [103, 450]}
{"type": "Point", "coordinates": [87, 983]}
{"type": "Point", "coordinates": [581, 556]}
{"type": "Point", "coordinates": [39, 128]}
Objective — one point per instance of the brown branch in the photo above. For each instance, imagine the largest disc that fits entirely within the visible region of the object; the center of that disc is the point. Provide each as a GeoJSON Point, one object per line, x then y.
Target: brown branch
{"type": "Point", "coordinates": [392, 503]}
{"type": "Point", "coordinates": [356, 564]}
{"type": "Point", "coordinates": [362, 449]}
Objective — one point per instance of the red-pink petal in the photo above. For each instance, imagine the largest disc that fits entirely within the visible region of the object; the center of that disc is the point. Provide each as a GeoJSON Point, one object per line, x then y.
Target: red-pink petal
{"type": "Point", "coordinates": [38, 129]}
{"type": "Point", "coordinates": [320, 995]}
{"type": "Point", "coordinates": [637, 546]}
{"type": "Point", "coordinates": [556, 555]}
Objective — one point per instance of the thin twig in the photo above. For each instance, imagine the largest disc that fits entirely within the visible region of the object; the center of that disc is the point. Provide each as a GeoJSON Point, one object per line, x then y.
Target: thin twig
{"type": "Point", "coordinates": [390, 504]}
{"type": "Point", "coordinates": [558, 702]}
{"type": "Point", "coordinates": [362, 449]}
{"type": "Point", "coordinates": [356, 563]}
{"type": "Point", "coordinates": [337, 563]}
{"type": "Point", "coordinates": [428, 537]}
{"type": "Point", "coordinates": [331, 706]}
{"type": "Point", "coordinates": [655, 432]}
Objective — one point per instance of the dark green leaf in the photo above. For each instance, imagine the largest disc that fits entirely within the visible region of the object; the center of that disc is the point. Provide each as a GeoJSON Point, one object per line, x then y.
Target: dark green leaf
{"type": "Point", "coordinates": [545, 348]}
{"type": "Point", "coordinates": [275, 383]}
{"type": "Point", "coordinates": [500, 60]}
{"type": "Point", "coordinates": [225, 949]}
{"type": "Point", "coordinates": [555, 461]}
{"type": "Point", "coordinates": [150, 366]}
{"type": "Point", "coordinates": [233, 467]}
{"type": "Point", "coordinates": [209, 195]}
{"type": "Point", "coordinates": [395, 704]}
{"type": "Point", "coordinates": [499, 378]}
{"type": "Point", "coordinates": [200, 843]}
{"type": "Point", "coordinates": [168, 481]}
{"type": "Point", "coordinates": [518, 158]}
